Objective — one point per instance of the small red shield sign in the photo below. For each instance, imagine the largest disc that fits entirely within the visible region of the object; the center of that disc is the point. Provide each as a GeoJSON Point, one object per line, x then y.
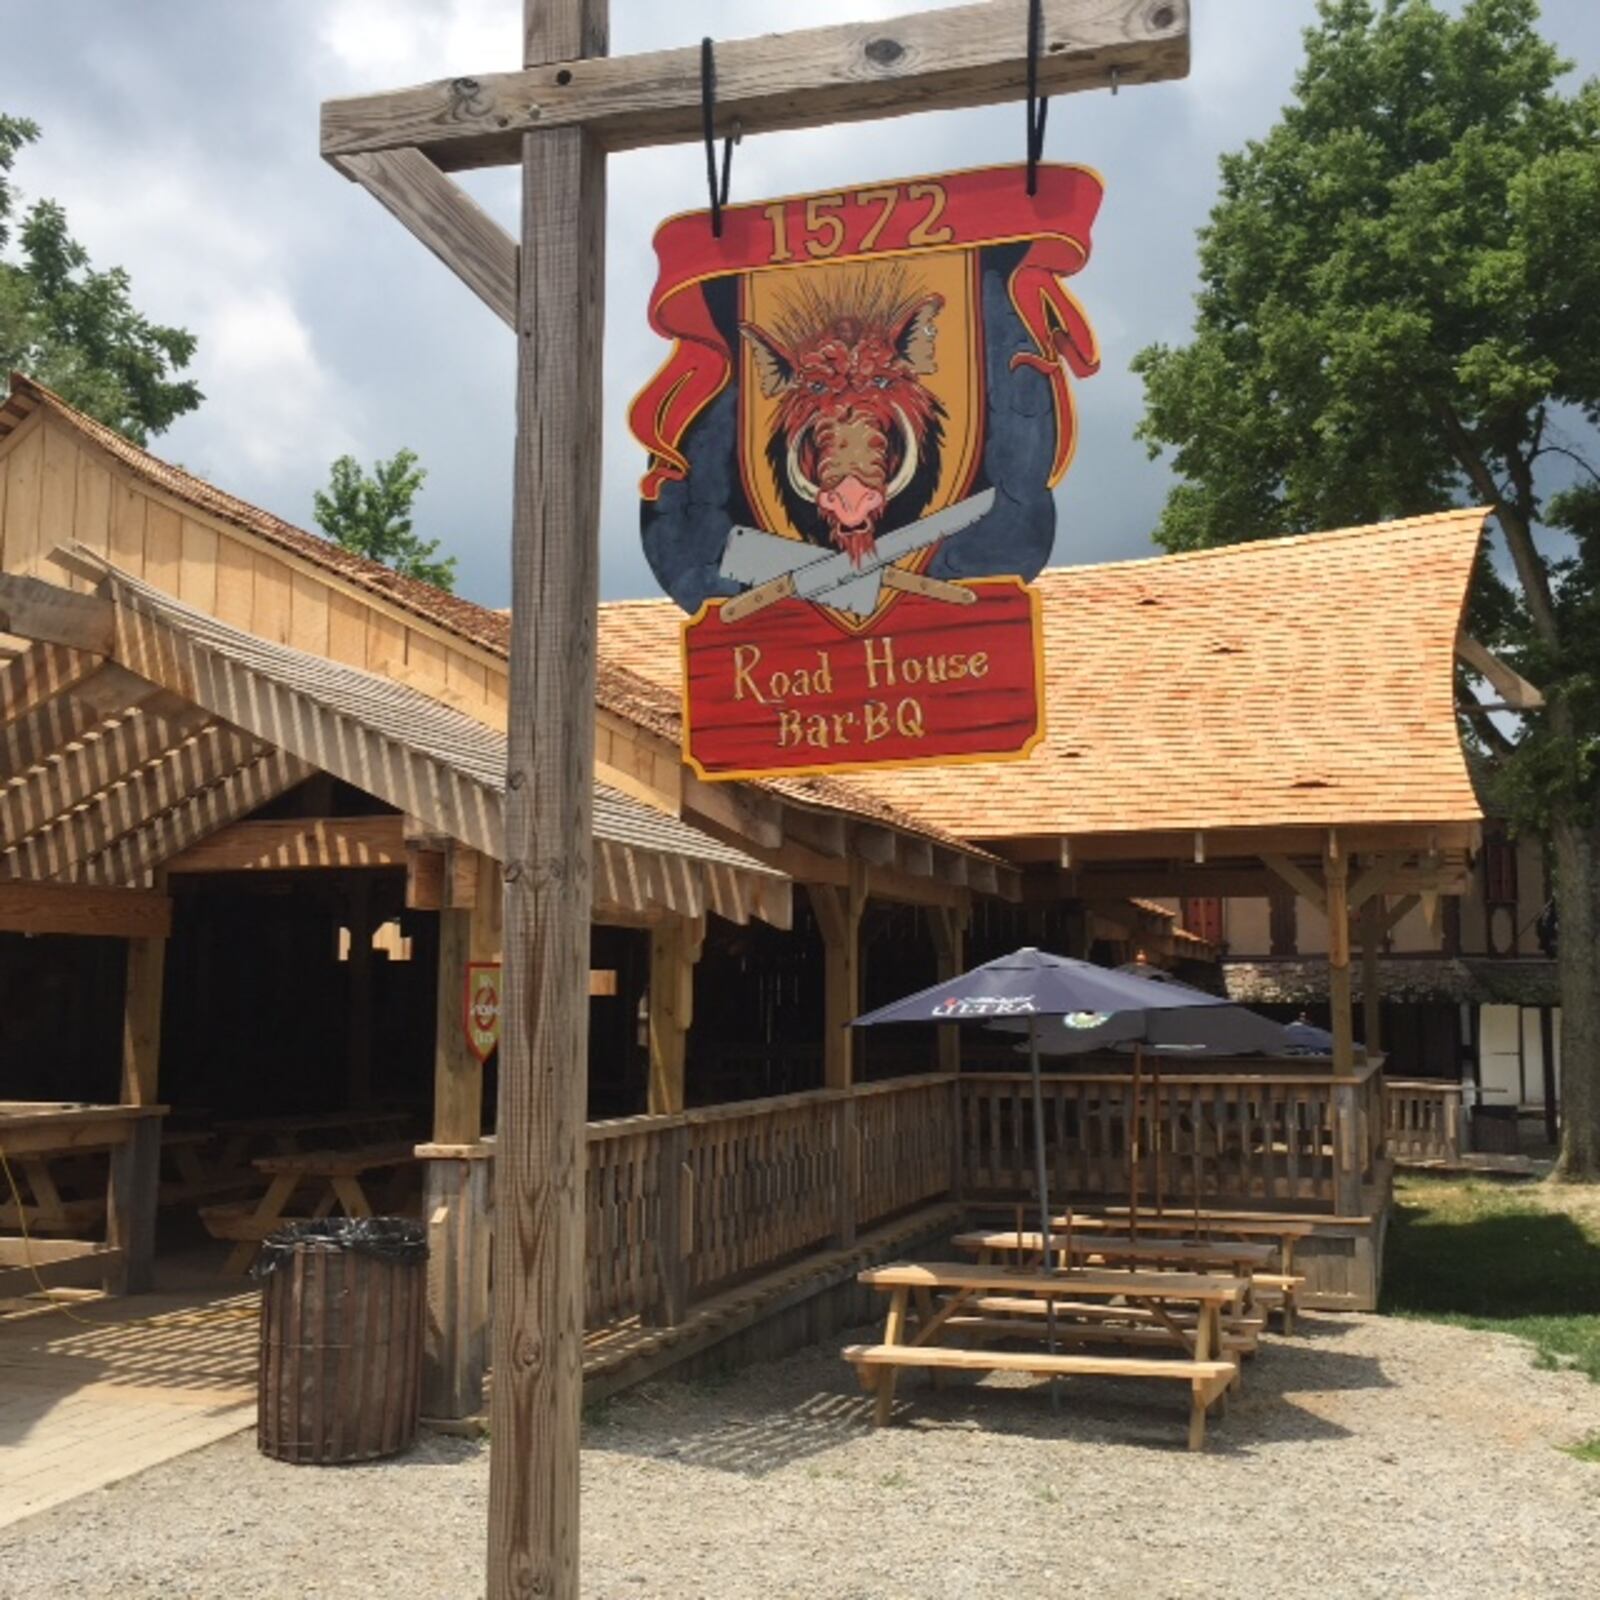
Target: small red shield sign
{"type": "Point", "coordinates": [483, 1008]}
{"type": "Point", "coordinates": [852, 453]}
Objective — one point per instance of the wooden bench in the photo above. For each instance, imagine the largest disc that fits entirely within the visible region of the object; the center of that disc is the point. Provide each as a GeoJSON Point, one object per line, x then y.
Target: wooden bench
{"type": "Point", "coordinates": [977, 1292]}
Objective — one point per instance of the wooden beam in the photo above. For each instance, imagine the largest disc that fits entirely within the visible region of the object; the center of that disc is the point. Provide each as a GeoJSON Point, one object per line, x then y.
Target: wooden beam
{"type": "Point", "coordinates": [873, 844]}
{"type": "Point", "coordinates": [34, 609]}
{"type": "Point", "coordinates": [826, 832]}
{"type": "Point", "coordinates": [1519, 694]}
{"type": "Point", "coordinates": [37, 676]}
{"type": "Point", "coordinates": [675, 947]}
{"type": "Point", "coordinates": [446, 219]}
{"type": "Point", "coordinates": [744, 816]}
{"type": "Point", "coordinates": [141, 1014]}
{"type": "Point", "coordinates": [838, 912]}
{"type": "Point", "coordinates": [968, 55]}
{"type": "Point", "coordinates": [466, 934]}
{"type": "Point", "coordinates": [74, 908]}
{"type": "Point", "coordinates": [1226, 846]}
{"type": "Point", "coordinates": [127, 807]}
{"type": "Point", "coordinates": [298, 844]}
{"type": "Point", "coordinates": [542, 1156]}
{"type": "Point", "coordinates": [1371, 995]}
{"type": "Point", "coordinates": [948, 928]}
{"type": "Point", "coordinates": [1401, 908]}
{"type": "Point", "coordinates": [87, 767]}
{"type": "Point", "coordinates": [1299, 880]}
{"type": "Point", "coordinates": [168, 833]}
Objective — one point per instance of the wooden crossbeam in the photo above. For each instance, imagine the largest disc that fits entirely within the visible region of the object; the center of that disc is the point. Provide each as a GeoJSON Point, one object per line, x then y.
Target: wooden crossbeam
{"type": "Point", "coordinates": [73, 908]}
{"type": "Point", "coordinates": [50, 726]}
{"type": "Point", "coordinates": [242, 791]}
{"type": "Point", "coordinates": [972, 55]}
{"type": "Point", "coordinates": [298, 843]}
{"type": "Point", "coordinates": [34, 609]}
{"type": "Point", "coordinates": [88, 766]}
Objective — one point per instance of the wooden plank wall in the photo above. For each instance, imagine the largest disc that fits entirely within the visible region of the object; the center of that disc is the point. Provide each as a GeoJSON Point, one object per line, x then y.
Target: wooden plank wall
{"type": "Point", "coordinates": [56, 487]}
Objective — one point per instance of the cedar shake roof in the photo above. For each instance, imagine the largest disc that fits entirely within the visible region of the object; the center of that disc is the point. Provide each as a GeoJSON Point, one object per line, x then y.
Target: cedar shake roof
{"type": "Point", "coordinates": [1287, 682]}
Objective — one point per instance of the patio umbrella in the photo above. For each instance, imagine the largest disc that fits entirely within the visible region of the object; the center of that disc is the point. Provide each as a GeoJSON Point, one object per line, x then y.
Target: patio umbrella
{"type": "Point", "coordinates": [1024, 988]}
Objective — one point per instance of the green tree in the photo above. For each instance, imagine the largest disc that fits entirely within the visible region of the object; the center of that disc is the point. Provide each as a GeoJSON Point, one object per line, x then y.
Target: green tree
{"type": "Point", "coordinates": [372, 516]}
{"type": "Point", "coordinates": [1400, 309]}
{"type": "Point", "coordinates": [76, 329]}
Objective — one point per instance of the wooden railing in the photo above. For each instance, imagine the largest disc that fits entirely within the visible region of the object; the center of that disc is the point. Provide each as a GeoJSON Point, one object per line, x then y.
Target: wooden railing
{"type": "Point", "coordinates": [1226, 1138]}
{"type": "Point", "coordinates": [1422, 1120]}
{"type": "Point", "coordinates": [679, 1206]}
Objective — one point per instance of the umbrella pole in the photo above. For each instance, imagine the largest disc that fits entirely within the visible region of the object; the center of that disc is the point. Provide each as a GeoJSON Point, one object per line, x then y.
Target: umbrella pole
{"type": "Point", "coordinates": [1133, 1143]}
{"type": "Point", "coordinates": [1044, 1190]}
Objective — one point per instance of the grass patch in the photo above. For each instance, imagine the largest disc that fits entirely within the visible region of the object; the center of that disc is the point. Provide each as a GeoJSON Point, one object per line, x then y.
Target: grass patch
{"type": "Point", "coordinates": [1483, 1254]}
{"type": "Point", "coordinates": [1589, 1450]}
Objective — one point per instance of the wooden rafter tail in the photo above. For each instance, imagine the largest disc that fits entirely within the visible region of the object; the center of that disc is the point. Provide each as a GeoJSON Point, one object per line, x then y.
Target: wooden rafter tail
{"type": "Point", "coordinates": [968, 55]}
{"type": "Point", "coordinates": [1519, 694]}
{"type": "Point", "coordinates": [31, 608]}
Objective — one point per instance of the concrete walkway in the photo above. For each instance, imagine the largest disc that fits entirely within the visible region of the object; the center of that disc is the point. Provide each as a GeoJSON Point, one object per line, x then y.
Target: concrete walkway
{"type": "Point", "coordinates": [118, 1386]}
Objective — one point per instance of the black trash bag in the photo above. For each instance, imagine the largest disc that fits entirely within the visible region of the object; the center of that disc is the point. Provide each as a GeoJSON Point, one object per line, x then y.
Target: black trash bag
{"type": "Point", "coordinates": [397, 1239]}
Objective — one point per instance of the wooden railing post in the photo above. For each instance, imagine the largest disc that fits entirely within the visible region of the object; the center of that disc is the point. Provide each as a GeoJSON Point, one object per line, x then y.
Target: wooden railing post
{"type": "Point", "coordinates": [456, 1209]}
{"type": "Point", "coordinates": [849, 1166]}
{"type": "Point", "coordinates": [838, 912]}
{"type": "Point", "coordinates": [131, 1196]}
{"type": "Point", "coordinates": [675, 1230]}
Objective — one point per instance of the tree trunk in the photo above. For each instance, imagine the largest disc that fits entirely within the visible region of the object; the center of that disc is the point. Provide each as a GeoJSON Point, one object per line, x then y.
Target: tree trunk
{"type": "Point", "coordinates": [1577, 863]}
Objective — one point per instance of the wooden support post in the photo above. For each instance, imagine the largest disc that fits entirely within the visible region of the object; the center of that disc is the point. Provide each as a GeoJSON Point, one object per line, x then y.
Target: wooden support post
{"type": "Point", "coordinates": [141, 1014]}
{"type": "Point", "coordinates": [549, 826]}
{"type": "Point", "coordinates": [1348, 1160]}
{"type": "Point", "coordinates": [131, 1196]}
{"type": "Point", "coordinates": [455, 1203]}
{"type": "Point", "coordinates": [466, 934]}
{"type": "Point", "coordinates": [358, 1057]}
{"type": "Point", "coordinates": [949, 929]}
{"type": "Point", "coordinates": [1371, 991]}
{"type": "Point", "coordinates": [1336, 874]}
{"type": "Point", "coordinates": [675, 947]}
{"type": "Point", "coordinates": [676, 1211]}
{"type": "Point", "coordinates": [838, 912]}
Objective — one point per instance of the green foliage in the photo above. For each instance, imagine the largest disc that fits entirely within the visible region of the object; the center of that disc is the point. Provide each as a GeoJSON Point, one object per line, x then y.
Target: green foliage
{"type": "Point", "coordinates": [75, 329]}
{"type": "Point", "coordinates": [1483, 1255]}
{"type": "Point", "coordinates": [372, 516]}
{"type": "Point", "coordinates": [1400, 310]}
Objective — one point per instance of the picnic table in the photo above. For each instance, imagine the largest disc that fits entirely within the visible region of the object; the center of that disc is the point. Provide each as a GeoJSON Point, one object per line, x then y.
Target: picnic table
{"type": "Point", "coordinates": [1281, 1288]}
{"type": "Point", "coordinates": [331, 1179]}
{"type": "Point", "coordinates": [989, 1300]}
{"type": "Point", "coordinates": [45, 1143]}
{"type": "Point", "coordinates": [243, 1138]}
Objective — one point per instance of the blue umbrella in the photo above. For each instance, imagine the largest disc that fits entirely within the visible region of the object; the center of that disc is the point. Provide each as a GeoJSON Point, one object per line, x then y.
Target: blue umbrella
{"type": "Point", "coordinates": [1023, 987]}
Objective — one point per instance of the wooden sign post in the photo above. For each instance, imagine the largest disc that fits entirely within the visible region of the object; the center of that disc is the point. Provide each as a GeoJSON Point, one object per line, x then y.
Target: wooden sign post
{"type": "Point", "coordinates": [558, 117]}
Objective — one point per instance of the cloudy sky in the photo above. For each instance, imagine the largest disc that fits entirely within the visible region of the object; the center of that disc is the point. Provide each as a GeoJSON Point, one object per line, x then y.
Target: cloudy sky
{"type": "Point", "coordinates": [181, 135]}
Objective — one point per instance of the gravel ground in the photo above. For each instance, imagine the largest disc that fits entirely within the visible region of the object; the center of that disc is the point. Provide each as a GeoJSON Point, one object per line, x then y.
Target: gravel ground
{"type": "Point", "coordinates": [1368, 1457]}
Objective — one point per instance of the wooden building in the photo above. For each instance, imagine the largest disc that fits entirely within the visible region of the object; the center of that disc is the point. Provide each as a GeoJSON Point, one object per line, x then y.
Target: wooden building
{"type": "Point", "coordinates": [283, 755]}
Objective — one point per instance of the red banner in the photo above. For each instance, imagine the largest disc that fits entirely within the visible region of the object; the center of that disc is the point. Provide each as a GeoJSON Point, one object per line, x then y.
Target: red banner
{"type": "Point", "coordinates": [958, 210]}
{"type": "Point", "coordinates": [789, 691]}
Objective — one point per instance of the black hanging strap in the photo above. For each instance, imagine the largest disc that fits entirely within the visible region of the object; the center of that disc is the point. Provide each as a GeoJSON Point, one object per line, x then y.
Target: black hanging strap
{"type": "Point", "coordinates": [1038, 109]}
{"type": "Point", "coordinates": [718, 191]}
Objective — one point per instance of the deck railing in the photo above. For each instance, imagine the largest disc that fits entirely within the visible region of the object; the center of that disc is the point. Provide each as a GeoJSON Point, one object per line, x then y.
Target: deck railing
{"type": "Point", "coordinates": [1422, 1120]}
{"type": "Point", "coordinates": [677, 1207]}
{"type": "Point", "coordinates": [1224, 1137]}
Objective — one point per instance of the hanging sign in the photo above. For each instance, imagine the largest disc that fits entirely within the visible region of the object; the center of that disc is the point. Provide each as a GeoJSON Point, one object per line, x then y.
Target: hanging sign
{"type": "Point", "coordinates": [483, 1008]}
{"type": "Point", "coordinates": [852, 453]}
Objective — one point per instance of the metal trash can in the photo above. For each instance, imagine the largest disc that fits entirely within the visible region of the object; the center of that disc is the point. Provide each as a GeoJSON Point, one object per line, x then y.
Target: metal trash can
{"type": "Point", "coordinates": [342, 1309]}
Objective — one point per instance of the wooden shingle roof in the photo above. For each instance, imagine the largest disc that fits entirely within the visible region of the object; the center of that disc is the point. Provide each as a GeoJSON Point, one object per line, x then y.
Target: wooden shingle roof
{"type": "Point", "coordinates": [1304, 681]}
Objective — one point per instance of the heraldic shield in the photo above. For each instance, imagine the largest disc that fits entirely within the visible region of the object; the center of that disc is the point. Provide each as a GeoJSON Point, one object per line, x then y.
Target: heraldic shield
{"type": "Point", "coordinates": [852, 452]}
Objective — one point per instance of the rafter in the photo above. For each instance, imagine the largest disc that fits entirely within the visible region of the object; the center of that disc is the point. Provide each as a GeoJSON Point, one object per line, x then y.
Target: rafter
{"type": "Point", "coordinates": [34, 609]}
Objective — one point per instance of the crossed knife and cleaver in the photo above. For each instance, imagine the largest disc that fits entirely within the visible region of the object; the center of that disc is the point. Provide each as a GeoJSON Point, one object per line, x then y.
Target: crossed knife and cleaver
{"type": "Point", "coordinates": [773, 568]}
